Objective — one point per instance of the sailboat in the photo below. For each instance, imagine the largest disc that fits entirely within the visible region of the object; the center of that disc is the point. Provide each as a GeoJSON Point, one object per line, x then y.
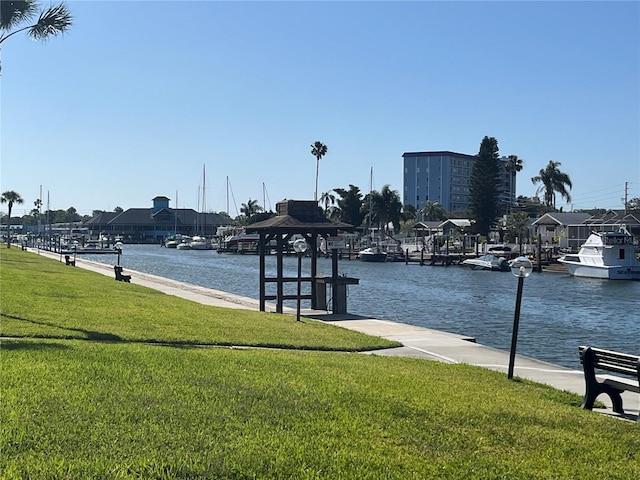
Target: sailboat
{"type": "Point", "coordinates": [372, 253]}
{"type": "Point", "coordinates": [200, 242]}
{"type": "Point", "coordinates": [173, 240]}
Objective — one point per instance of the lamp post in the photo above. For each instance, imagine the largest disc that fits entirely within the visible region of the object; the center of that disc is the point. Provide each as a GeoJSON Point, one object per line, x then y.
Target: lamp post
{"type": "Point", "coordinates": [300, 246]}
{"type": "Point", "coordinates": [118, 247]}
{"type": "Point", "coordinates": [521, 267]}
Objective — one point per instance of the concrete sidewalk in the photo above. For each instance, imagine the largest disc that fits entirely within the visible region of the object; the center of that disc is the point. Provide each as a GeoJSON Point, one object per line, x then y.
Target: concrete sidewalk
{"type": "Point", "coordinates": [417, 342]}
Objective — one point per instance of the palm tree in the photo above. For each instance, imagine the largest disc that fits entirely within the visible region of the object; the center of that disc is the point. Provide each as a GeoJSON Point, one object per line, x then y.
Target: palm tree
{"type": "Point", "coordinates": [391, 208]}
{"type": "Point", "coordinates": [250, 208]}
{"type": "Point", "coordinates": [327, 199]}
{"type": "Point", "coordinates": [51, 22]}
{"type": "Point", "coordinates": [349, 208]}
{"type": "Point", "coordinates": [553, 181]}
{"type": "Point", "coordinates": [318, 150]}
{"type": "Point", "coordinates": [382, 208]}
{"type": "Point", "coordinates": [10, 197]}
{"type": "Point", "coordinates": [433, 211]}
{"type": "Point", "coordinates": [513, 165]}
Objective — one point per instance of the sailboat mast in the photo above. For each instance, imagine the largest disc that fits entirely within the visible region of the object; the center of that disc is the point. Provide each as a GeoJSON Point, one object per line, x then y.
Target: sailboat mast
{"type": "Point", "coordinates": [204, 202]}
{"type": "Point", "coordinates": [175, 216]}
{"type": "Point", "coordinates": [370, 200]}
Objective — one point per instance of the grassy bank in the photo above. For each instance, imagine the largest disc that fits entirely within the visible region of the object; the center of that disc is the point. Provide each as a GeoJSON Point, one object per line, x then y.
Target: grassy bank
{"type": "Point", "coordinates": [74, 406]}
{"type": "Point", "coordinates": [43, 298]}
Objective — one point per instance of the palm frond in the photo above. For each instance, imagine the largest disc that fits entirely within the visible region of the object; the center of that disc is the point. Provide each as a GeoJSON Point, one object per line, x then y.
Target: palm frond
{"type": "Point", "coordinates": [52, 22]}
{"type": "Point", "coordinates": [13, 13]}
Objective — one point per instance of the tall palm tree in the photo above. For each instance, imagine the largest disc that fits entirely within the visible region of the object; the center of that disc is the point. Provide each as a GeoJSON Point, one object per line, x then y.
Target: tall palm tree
{"type": "Point", "coordinates": [51, 22]}
{"type": "Point", "coordinates": [327, 199]}
{"type": "Point", "coordinates": [318, 150]}
{"type": "Point", "coordinates": [513, 165]}
{"type": "Point", "coordinates": [553, 181]}
{"type": "Point", "coordinates": [10, 197]}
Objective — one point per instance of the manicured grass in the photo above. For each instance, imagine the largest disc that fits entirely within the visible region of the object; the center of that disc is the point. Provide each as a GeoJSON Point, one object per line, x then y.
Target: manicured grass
{"type": "Point", "coordinates": [41, 297]}
{"type": "Point", "coordinates": [74, 406]}
{"type": "Point", "coordinates": [80, 409]}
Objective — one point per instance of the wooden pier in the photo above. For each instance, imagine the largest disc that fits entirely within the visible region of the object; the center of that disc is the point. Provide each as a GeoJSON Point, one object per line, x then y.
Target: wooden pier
{"type": "Point", "coordinates": [443, 259]}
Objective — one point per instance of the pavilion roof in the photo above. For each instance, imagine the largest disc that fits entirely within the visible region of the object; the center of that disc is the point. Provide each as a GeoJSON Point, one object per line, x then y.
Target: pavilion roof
{"type": "Point", "coordinates": [299, 216]}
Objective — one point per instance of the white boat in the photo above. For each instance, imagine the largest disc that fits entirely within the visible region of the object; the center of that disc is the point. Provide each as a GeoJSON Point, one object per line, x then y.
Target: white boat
{"type": "Point", "coordinates": [200, 243]}
{"type": "Point", "coordinates": [609, 255]}
{"type": "Point", "coordinates": [372, 254]}
{"type": "Point", "coordinates": [185, 243]}
{"type": "Point", "coordinates": [487, 262]}
{"type": "Point", "coordinates": [172, 241]}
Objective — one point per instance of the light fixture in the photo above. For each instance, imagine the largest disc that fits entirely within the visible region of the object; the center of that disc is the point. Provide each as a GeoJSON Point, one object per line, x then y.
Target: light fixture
{"type": "Point", "coordinates": [521, 268]}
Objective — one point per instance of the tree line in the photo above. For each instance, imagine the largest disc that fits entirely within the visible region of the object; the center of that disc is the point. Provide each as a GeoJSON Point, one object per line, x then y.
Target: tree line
{"type": "Point", "coordinates": [383, 210]}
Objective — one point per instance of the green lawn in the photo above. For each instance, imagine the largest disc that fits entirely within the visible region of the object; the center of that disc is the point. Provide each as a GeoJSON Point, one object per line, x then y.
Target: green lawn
{"type": "Point", "coordinates": [99, 402]}
{"type": "Point", "coordinates": [44, 298]}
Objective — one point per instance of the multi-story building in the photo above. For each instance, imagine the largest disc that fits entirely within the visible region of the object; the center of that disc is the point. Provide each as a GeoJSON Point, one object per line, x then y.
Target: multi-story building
{"type": "Point", "coordinates": [444, 177]}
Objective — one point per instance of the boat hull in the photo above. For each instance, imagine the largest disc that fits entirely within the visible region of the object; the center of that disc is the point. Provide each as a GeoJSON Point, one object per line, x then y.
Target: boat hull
{"type": "Point", "coordinates": [605, 272]}
{"type": "Point", "coordinates": [606, 255]}
{"type": "Point", "coordinates": [487, 262]}
{"type": "Point", "coordinates": [373, 257]}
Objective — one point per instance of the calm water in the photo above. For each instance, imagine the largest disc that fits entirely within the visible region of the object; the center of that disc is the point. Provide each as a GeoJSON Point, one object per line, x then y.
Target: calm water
{"type": "Point", "coordinates": [558, 312]}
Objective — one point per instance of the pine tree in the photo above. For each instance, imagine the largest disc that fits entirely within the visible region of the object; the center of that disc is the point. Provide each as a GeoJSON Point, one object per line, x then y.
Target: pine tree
{"type": "Point", "coordinates": [483, 187]}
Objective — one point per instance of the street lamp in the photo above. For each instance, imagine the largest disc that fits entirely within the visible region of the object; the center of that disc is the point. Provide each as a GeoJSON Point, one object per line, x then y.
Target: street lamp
{"type": "Point", "coordinates": [521, 267]}
{"type": "Point", "coordinates": [118, 247]}
{"type": "Point", "coordinates": [300, 246]}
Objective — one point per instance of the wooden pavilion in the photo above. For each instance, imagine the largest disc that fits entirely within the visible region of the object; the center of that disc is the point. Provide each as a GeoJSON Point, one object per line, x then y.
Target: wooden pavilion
{"type": "Point", "coordinates": [301, 217]}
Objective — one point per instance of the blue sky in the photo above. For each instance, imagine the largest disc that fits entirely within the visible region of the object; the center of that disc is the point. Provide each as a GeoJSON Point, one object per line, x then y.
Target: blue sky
{"type": "Point", "coordinates": [139, 96]}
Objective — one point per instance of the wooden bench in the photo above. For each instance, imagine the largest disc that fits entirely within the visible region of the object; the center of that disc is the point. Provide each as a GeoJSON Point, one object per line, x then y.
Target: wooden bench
{"type": "Point", "coordinates": [68, 261]}
{"type": "Point", "coordinates": [119, 276]}
{"type": "Point", "coordinates": [593, 359]}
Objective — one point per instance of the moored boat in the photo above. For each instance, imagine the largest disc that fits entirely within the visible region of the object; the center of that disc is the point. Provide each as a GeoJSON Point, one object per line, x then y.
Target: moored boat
{"type": "Point", "coordinates": [372, 254]}
{"type": "Point", "coordinates": [608, 255]}
{"type": "Point", "coordinates": [172, 241]}
{"type": "Point", "coordinates": [185, 243]}
{"type": "Point", "coordinates": [200, 243]}
{"type": "Point", "coordinates": [487, 262]}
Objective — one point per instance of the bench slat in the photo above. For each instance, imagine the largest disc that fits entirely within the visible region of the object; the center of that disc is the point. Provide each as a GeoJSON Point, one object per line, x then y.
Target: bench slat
{"type": "Point", "coordinates": [623, 363]}
{"type": "Point", "coordinates": [621, 383]}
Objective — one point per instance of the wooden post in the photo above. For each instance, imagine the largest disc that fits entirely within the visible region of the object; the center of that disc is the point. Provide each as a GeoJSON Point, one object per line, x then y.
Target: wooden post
{"type": "Point", "coordinates": [262, 247]}
{"type": "Point", "coordinates": [279, 275]}
{"type": "Point", "coordinates": [539, 253]}
{"type": "Point", "coordinates": [312, 241]}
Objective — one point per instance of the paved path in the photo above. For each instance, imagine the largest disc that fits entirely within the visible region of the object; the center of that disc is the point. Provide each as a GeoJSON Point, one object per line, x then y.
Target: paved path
{"type": "Point", "coordinates": [416, 341]}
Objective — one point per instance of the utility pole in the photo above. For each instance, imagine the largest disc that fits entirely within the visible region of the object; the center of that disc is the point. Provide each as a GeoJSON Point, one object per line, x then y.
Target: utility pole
{"type": "Point", "coordinates": [626, 197]}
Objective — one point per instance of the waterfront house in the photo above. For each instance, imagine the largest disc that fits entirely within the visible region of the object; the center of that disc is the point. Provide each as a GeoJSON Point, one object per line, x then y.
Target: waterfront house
{"type": "Point", "coordinates": [553, 227]}
{"type": "Point", "coordinates": [571, 230]}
